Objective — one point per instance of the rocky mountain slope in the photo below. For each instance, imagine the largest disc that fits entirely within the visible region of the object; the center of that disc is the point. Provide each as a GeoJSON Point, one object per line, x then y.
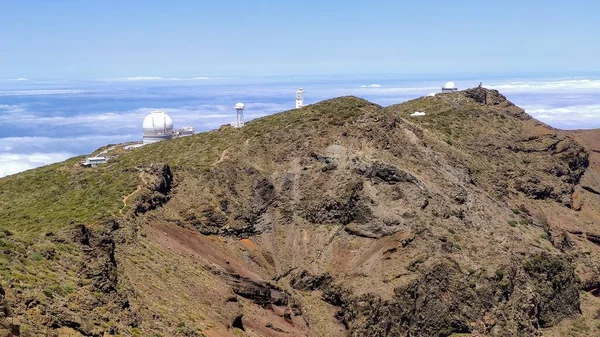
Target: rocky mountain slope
{"type": "Point", "coordinates": [343, 218]}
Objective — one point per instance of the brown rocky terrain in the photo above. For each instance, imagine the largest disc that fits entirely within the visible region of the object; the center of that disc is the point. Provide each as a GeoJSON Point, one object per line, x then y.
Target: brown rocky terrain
{"type": "Point", "coordinates": [343, 218]}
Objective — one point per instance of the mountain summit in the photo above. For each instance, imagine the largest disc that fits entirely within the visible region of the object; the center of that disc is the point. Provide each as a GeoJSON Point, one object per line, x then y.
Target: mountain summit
{"type": "Point", "coordinates": [342, 218]}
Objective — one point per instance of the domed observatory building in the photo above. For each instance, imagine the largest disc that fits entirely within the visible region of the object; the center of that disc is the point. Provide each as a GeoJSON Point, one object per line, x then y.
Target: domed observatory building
{"type": "Point", "coordinates": [157, 126]}
{"type": "Point", "coordinates": [449, 87]}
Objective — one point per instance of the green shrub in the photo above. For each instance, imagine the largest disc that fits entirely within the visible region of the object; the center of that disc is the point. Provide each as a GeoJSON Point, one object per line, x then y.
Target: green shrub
{"type": "Point", "coordinates": [499, 274]}
{"type": "Point", "coordinates": [136, 332]}
{"type": "Point", "coordinates": [579, 325]}
{"type": "Point", "coordinates": [37, 256]}
{"type": "Point", "coordinates": [68, 289]}
{"type": "Point", "coordinates": [48, 292]}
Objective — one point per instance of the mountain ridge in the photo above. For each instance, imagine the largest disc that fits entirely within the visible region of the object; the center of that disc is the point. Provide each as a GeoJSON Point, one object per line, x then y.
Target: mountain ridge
{"type": "Point", "coordinates": [340, 218]}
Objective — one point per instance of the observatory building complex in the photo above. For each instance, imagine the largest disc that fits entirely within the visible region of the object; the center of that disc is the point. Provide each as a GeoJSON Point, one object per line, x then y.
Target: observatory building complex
{"type": "Point", "coordinates": [449, 87]}
{"type": "Point", "coordinates": [159, 126]}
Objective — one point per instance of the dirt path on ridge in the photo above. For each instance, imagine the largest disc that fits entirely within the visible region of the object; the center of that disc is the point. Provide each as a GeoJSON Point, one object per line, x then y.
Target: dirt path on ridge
{"type": "Point", "coordinates": [222, 157]}
{"type": "Point", "coordinates": [138, 188]}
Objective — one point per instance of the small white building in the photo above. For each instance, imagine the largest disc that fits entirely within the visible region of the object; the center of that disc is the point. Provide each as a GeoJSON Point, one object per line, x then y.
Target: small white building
{"type": "Point", "coordinates": [186, 131]}
{"type": "Point", "coordinates": [94, 161]}
{"type": "Point", "coordinates": [449, 87]}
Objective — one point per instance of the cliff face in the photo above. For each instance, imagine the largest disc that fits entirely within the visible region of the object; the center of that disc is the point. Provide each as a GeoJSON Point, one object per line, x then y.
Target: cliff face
{"type": "Point", "coordinates": [342, 218]}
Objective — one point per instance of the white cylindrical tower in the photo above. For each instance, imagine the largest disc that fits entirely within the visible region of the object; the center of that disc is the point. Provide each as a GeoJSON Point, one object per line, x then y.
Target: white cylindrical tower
{"type": "Point", "coordinates": [239, 108]}
{"type": "Point", "coordinates": [299, 98]}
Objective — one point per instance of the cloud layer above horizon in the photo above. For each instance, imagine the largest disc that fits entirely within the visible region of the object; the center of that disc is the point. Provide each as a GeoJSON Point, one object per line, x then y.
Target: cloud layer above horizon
{"type": "Point", "coordinates": [42, 123]}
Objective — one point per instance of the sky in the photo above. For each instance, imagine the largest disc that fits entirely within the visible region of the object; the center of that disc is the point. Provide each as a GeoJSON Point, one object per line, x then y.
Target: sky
{"type": "Point", "coordinates": [71, 39]}
{"type": "Point", "coordinates": [78, 75]}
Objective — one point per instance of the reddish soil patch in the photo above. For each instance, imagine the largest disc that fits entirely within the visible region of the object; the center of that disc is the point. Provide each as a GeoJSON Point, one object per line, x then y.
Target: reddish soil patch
{"type": "Point", "coordinates": [210, 249]}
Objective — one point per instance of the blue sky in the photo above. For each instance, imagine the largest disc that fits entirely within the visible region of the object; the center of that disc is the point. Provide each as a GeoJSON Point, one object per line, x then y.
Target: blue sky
{"type": "Point", "coordinates": [105, 39]}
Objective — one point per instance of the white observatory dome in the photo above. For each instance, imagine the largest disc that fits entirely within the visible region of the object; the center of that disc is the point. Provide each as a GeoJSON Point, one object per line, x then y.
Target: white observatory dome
{"type": "Point", "coordinates": [449, 85]}
{"type": "Point", "coordinates": [157, 126]}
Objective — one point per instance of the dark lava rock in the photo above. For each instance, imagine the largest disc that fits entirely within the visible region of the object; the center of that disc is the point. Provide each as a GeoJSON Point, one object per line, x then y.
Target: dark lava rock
{"type": "Point", "coordinates": [386, 172]}
{"type": "Point", "coordinates": [237, 323]}
{"type": "Point", "coordinates": [157, 190]}
{"type": "Point", "coordinates": [446, 300]}
{"type": "Point", "coordinates": [487, 97]}
{"type": "Point", "coordinates": [306, 281]}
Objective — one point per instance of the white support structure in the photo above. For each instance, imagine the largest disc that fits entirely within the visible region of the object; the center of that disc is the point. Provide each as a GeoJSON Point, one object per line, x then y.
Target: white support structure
{"type": "Point", "coordinates": [299, 98]}
{"type": "Point", "coordinates": [239, 108]}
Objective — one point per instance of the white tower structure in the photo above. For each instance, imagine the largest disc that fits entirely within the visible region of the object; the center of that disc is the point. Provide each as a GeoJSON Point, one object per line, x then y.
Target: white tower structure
{"type": "Point", "coordinates": [299, 98]}
{"type": "Point", "coordinates": [239, 108]}
{"type": "Point", "coordinates": [157, 126]}
{"type": "Point", "coordinates": [449, 87]}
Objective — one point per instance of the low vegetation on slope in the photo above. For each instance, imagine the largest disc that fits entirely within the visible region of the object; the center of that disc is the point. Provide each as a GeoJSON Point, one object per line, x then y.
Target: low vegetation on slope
{"type": "Point", "coordinates": [340, 218]}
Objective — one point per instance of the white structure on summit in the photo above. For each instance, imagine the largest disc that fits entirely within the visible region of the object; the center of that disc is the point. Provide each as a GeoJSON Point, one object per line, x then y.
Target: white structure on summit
{"type": "Point", "coordinates": [449, 87]}
{"type": "Point", "coordinates": [239, 108]}
{"type": "Point", "coordinates": [299, 98]}
{"type": "Point", "coordinates": [185, 131]}
{"type": "Point", "coordinates": [157, 126]}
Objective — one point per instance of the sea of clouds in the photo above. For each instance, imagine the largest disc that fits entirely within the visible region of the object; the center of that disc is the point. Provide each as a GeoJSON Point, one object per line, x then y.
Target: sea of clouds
{"type": "Point", "coordinates": [42, 122]}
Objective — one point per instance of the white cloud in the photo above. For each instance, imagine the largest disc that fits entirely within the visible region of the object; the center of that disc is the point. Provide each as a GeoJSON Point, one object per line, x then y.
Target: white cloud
{"type": "Point", "coordinates": [73, 144]}
{"type": "Point", "coordinates": [546, 86]}
{"type": "Point", "coordinates": [371, 86]}
{"type": "Point", "coordinates": [570, 117]}
{"type": "Point", "coordinates": [40, 92]}
{"type": "Point", "coordinates": [119, 122]}
{"type": "Point", "coordinates": [12, 108]}
{"type": "Point", "coordinates": [11, 163]}
{"type": "Point", "coordinates": [155, 78]}
{"type": "Point", "coordinates": [141, 78]}
{"type": "Point", "coordinates": [20, 79]}
{"type": "Point", "coordinates": [386, 91]}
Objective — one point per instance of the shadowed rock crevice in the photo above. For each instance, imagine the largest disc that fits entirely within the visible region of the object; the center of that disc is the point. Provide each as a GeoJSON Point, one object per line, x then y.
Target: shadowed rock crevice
{"type": "Point", "coordinates": [157, 190]}
{"type": "Point", "coordinates": [99, 271]}
{"type": "Point", "coordinates": [304, 280]}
